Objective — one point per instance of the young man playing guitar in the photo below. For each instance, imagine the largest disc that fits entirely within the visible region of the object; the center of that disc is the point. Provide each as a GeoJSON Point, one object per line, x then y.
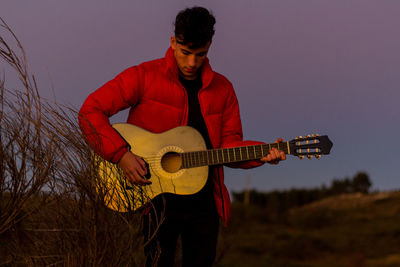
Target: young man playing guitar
{"type": "Point", "coordinates": [179, 89]}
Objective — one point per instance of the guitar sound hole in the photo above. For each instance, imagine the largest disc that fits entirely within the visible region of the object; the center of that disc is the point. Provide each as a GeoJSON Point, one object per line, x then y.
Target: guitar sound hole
{"type": "Point", "coordinates": [171, 162]}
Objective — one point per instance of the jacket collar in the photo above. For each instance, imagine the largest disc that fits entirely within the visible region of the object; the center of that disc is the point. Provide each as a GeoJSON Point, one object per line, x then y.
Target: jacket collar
{"type": "Point", "coordinates": [207, 74]}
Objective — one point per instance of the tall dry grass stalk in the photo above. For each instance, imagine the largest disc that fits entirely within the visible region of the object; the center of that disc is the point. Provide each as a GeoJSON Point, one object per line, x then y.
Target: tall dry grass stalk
{"type": "Point", "coordinates": [52, 211]}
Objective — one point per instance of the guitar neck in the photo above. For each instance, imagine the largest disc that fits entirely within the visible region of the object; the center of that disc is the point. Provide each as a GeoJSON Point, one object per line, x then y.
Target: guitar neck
{"type": "Point", "coordinates": [229, 155]}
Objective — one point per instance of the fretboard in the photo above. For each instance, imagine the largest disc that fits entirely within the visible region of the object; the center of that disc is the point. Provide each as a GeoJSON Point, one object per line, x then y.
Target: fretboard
{"type": "Point", "coordinates": [228, 155]}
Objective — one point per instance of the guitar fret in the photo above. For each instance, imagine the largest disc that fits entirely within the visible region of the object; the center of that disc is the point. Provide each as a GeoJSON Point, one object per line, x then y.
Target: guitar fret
{"type": "Point", "coordinates": [199, 158]}
{"type": "Point", "coordinates": [247, 148]}
{"type": "Point", "coordinates": [184, 164]}
{"type": "Point", "coordinates": [257, 149]}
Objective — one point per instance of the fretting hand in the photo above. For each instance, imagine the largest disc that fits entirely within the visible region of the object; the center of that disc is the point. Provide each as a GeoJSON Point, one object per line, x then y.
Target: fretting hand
{"type": "Point", "coordinates": [275, 155]}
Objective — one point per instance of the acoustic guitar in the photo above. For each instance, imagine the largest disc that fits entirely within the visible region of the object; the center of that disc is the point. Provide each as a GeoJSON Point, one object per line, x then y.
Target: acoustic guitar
{"type": "Point", "coordinates": [177, 162]}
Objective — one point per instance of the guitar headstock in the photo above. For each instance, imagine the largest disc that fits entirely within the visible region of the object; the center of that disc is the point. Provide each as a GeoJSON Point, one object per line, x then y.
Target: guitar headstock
{"type": "Point", "coordinates": [310, 145]}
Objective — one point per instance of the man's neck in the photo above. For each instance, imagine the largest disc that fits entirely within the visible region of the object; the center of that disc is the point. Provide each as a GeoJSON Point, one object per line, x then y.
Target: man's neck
{"type": "Point", "coordinates": [189, 78]}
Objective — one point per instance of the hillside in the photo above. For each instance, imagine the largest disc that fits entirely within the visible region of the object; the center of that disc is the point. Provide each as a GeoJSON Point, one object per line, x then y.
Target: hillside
{"type": "Point", "coordinates": [345, 230]}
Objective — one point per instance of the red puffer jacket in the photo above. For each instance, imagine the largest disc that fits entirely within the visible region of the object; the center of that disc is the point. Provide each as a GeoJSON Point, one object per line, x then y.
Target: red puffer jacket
{"type": "Point", "coordinates": [158, 102]}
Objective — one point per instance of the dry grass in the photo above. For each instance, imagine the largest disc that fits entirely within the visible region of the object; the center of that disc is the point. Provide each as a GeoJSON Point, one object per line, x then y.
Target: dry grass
{"type": "Point", "coordinates": [51, 204]}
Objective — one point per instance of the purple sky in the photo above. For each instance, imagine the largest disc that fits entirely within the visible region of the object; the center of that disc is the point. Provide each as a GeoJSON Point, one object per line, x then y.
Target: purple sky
{"type": "Point", "coordinates": [298, 67]}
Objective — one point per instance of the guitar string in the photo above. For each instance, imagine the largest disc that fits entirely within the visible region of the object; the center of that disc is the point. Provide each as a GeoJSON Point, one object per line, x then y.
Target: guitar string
{"type": "Point", "coordinates": [204, 156]}
{"type": "Point", "coordinates": [230, 155]}
{"type": "Point", "coordinates": [229, 151]}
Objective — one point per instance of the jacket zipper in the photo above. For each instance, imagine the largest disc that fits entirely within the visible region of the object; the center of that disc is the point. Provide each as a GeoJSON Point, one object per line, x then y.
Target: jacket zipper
{"type": "Point", "coordinates": [185, 110]}
{"type": "Point", "coordinates": [217, 171]}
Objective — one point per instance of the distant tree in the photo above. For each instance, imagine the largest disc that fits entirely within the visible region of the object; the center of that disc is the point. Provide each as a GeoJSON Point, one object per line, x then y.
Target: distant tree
{"type": "Point", "coordinates": [341, 186]}
{"type": "Point", "coordinates": [361, 183]}
{"type": "Point", "coordinates": [278, 202]}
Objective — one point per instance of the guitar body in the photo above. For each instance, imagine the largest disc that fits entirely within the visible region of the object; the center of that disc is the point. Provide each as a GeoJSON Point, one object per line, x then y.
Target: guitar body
{"type": "Point", "coordinates": [162, 154]}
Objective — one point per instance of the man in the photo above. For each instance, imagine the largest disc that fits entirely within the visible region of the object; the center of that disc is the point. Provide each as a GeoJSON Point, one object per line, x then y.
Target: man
{"type": "Point", "coordinates": [180, 89]}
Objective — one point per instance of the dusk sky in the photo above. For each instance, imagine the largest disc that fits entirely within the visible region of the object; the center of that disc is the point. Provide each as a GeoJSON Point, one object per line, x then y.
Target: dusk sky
{"type": "Point", "coordinates": [298, 67]}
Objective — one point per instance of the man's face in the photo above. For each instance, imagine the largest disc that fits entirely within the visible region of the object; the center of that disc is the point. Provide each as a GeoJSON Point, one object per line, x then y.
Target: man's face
{"type": "Point", "coordinates": [189, 60]}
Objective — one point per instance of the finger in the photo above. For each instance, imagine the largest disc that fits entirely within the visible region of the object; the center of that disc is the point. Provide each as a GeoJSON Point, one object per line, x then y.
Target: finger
{"type": "Point", "coordinates": [130, 178]}
{"type": "Point", "coordinates": [273, 158]}
{"type": "Point", "coordinates": [141, 180]}
{"type": "Point", "coordinates": [274, 154]}
{"type": "Point", "coordinates": [142, 163]}
{"type": "Point", "coordinates": [140, 170]}
{"type": "Point", "coordinates": [136, 179]}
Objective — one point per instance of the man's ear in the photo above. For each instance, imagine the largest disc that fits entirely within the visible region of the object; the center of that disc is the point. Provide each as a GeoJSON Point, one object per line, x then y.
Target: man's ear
{"type": "Point", "coordinates": [173, 42]}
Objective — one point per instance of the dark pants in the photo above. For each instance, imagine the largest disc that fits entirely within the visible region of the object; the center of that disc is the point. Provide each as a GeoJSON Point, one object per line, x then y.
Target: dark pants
{"type": "Point", "coordinates": [194, 218]}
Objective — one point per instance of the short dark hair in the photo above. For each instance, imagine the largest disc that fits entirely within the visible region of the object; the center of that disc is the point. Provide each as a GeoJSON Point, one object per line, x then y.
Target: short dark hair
{"type": "Point", "coordinates": [194, 27]}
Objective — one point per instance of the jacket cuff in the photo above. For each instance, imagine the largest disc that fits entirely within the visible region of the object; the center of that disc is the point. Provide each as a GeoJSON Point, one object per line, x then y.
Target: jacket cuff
{"type": "Point", "coordinates": [118, 155]}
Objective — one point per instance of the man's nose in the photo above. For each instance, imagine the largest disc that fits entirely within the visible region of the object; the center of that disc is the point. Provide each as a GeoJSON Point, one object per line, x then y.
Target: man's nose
{"type": "Point", "coordinates": [192, 61]}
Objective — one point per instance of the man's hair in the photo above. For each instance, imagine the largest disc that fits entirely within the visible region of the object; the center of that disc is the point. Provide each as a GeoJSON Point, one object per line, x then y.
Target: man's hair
{"type": "Point", "coordinates": [194, 27]}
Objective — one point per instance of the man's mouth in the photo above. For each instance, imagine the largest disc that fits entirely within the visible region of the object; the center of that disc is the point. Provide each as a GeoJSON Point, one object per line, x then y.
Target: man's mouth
{"type": "Point", "coordinates": [190, 70]}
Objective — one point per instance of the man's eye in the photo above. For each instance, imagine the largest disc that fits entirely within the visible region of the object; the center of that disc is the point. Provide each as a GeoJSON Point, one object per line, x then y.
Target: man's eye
{"type": "Point", "coordinates": [185, 52]}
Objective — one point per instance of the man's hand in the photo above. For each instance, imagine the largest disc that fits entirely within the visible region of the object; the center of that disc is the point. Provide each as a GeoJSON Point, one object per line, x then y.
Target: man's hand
{"type": "Point", "coordinates": [274, 155]}
{"type": "Point", "coordinates": [134, 168]}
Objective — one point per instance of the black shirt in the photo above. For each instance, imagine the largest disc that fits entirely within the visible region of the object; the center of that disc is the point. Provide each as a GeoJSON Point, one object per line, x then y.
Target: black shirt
{"type": "Point", "coordinates": [195, 117]}
{"type": "Point", "coordinates": [203, 201]}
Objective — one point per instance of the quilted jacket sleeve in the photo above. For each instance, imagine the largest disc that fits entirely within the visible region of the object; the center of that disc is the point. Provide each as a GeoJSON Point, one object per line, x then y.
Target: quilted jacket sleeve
{"type": "Point", "coordinates": [118, 94]}
{"type": "Point", "coordinates": [232, 134]}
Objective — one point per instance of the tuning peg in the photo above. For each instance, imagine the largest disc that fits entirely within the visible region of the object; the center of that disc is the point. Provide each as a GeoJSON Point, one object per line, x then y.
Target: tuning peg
{"type": "Point", "coordinates": [309, 156]}
{"type": "Point", "coordinates": [317, 156]}
{"type": "Point", "coordinates": [301, 157]}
